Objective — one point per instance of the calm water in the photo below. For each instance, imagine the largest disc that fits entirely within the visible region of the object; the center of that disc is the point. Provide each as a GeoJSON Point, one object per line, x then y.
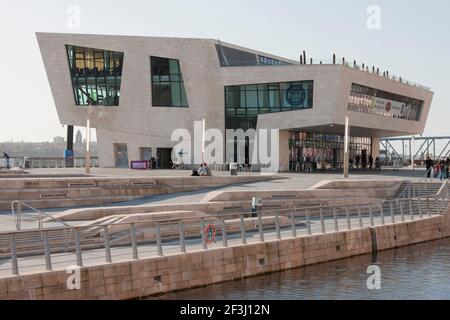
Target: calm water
{"type": "Point", "coordinates": [416, 272]}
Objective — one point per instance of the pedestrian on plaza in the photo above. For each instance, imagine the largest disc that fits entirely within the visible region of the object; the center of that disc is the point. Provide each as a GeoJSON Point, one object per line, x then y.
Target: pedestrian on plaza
{"type": "Point", "coordinates": [442, 170]}
{"type": "Point", "coordinates": [357, 158]}
{"type": "Point", "coordinates": [370, 162]}
{"type": "Point", "coordinates": [377, 164]}
{"type": "Point", "coordinates": [429, 165]}
{"type": "Point", "coordinates": [447, 167]}
{"type": "Point", "coordinates": [6, 156]}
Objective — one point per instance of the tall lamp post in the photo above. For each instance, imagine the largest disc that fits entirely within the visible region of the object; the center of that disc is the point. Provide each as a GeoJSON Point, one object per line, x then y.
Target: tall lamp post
{"type": "Point", "coordinates": [203, 139]}
{"type": "Point", "coordinates": [87, 154]}
{"type": "Point", "coordinates": [346, 142]}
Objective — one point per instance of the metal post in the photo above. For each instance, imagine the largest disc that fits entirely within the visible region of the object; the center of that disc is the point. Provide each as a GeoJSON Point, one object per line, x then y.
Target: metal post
{"type": "Point", "coordinates": [322, 221]}
{"type": "Point", "coordinates": [294, 227]}
{"type": "Point", "coordinates": [428, 206]}
{"type": "Point", "coordinates": [261, 227]}
{"type": "Point", "coordinates": [243, 235]}
{"type": "Point", "coordinates": [400, 205]}
{"type": "Point", "coordinates": [107, 247]}
{"type": "Point", "coordinates": [202, 231]}
{"type": "Point", "coordinates": [308, 223]}
{"type": "Point", "coordinates": [382, 215]}
{"type": "Point", "coordinates": [419, 203]}
{"type": "Point", "coordinates": [158, 239]}
{"type": "Point", "coordinates": [19, 216]}
{"type": "Point", "coordinates": [438, 207]}
{"type": "Point", "coordinates": [391, 207]}
{"type": "Point", "coordinates": [372, 222]}
{"type": "Point", "coordinates": [277, 226]}
{"type": "Point", "coordinates": [133, 242]}
{"type": "Point", "coordinates": [182, 240]}
{"type": "Point", "coordinates": [336, 225]}
{"type": "Point", "coordinates": [224, 233]}
{"type": "Point", "coordinates": [360, 217]}
{"type": "Point", "coordinates": [48, 257]}
{"type": "Point", "coordinates": [14, 262]}
{"type": "Point", "coordinates": [346, 145]}
{"type": "Point", "coordinates": [349, 224]}
{"type": "Point", "coordinates": [78, 248]}
{"type": "Point", "coordinates": [411, 212]}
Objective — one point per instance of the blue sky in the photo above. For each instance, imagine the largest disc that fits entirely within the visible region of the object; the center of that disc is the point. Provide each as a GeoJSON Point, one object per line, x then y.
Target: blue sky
{"type": "Point", "coordinates": [413, 42]}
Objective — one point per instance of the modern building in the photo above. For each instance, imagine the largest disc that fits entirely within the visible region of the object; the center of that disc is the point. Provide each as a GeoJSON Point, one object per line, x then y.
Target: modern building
{"type": "Point", "coordinates": [143, 88]}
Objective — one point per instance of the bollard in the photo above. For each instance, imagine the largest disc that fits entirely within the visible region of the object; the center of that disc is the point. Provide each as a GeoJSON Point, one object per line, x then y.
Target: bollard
{"type": "Point", "coordinates": [382, 215]}
{"type": "Point", "coordinates": [294, 227]}
{"type": "Point", "coordinates": [411, 212]}
{"type": "Point", "coordinates": [322, 221]}
{"type": "Point", "coordinates": [391, 207]}
{"type": "Point", "coordinates": [107, 247]}
{"type": "Point", "coordinates": [360, 217]}
{"type": "Point", "coordinates": [78, 248]}
{"type": "Point", "coordinates": [336, 225]}
{"type": "Point", "coordinates": [48, 257]}
{"type": "Point", "coordinates": [133, 241]}
{"type": "Point", "coordinates": [277, 226]}
{"type": "Point", "coordinates": [261, 227]}
{"type": "Point", "coordinates": [182, 240]}
{"type": "Point", "coordinates": [308, 223]}
{"type": "Point", "coordinates": [243, 235]}
{"type": "Point", "coordinates": [158, 239]}
{"type": "Point", "coordinates": [224, 233]}
{"type": "Point", "coordinates": [14, 262]}
{"type": "Point", "coordinates": [347, 214]}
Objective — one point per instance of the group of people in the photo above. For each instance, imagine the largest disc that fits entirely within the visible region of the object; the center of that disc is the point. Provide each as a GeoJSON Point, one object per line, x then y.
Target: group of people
{"type": "Point", "coordinates": [439, 169]}
{"type": "Point", "coordinates": [202, 171]}
{"type": "Point", "coordinates": [363, 164]}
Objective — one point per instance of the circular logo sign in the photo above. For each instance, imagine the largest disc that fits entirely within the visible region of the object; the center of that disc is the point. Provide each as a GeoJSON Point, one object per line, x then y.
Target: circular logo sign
{"type": "Point", "coordinates": [210, 232]}
{"type": "Point", "coordinates": [388, 106]}
{"type": "Point", "coordinates": [295, 95]}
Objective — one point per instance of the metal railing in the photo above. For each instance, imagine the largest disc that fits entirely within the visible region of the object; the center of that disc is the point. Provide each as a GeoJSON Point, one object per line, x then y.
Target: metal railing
{"type": "Point", "coordinates": [114, 242]}
{"type": "Point", "coordinates": [47, 162]}
{"type": "Point", "coordinates": [39, 216]}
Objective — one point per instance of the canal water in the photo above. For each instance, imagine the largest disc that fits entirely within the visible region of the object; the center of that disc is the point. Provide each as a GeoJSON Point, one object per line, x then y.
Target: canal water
{"type": "Point", "coordinates": [420, 271]}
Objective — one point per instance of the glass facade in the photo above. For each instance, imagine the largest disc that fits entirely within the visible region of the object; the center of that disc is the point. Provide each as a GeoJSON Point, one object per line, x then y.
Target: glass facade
{"type": "Point", "coordinates": [253, 99]}
{"type": "Point", "coordinates": [266, 61]}
{"type": "Point", "coordinates": [96, 75]}
{"type": "Point", "coordinates": [373, 101]}
{"type": "Point", "coordinates": [167, 83]}
{"type": "Point", "coordinates": [326, 150]}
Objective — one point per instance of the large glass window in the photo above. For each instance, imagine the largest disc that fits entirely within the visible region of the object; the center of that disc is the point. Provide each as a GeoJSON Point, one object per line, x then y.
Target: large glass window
{"type": "Point", "coordinates": [230, 57]}
{"type": "Point", "coordinates": [167, 83]}
{"type": "Point", "coordinates": [370, 100]}
{"type": "Point", "coordinates": [96, 75]}
{"type": "Point", "coordinates": [254, 99]}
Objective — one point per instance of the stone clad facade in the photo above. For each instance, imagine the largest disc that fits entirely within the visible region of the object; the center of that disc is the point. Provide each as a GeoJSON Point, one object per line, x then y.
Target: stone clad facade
{"type": "Point", "coordinates": [138, 124]}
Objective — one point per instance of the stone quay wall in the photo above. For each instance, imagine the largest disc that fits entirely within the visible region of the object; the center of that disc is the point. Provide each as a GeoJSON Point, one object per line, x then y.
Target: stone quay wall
{"type": "Point", "coordinates": [141, 278]}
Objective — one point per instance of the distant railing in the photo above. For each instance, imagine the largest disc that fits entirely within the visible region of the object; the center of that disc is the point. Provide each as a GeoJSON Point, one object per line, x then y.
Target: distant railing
{"type": "Point", "coordinates": [47, 162]}
{"type": "Point", "coordinates": [113, 242]}
{"type": "Point", "coordinates": [365, 68]}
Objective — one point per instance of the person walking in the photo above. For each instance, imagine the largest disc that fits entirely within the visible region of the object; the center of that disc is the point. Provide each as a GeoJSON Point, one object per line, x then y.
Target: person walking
{"type": "Point", "coordinates": [6, 156]}
{"type": "Point", "coordinates": [377, 164]}
{"type": "Point", "coordinates": [447, 167]}
{"type": "Point", "coordinates": [441, 170]}
{"type": "Point", "coordinates": [429, 165]}
{"type": "Point", "coordinates": [370, 162]}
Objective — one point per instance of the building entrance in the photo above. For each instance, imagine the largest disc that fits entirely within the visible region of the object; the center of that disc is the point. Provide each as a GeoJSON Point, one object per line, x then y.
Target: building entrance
{"type": "Point", "coordinates": [164, 158]}
{"type": "Point", "coordinates": [121, 155]}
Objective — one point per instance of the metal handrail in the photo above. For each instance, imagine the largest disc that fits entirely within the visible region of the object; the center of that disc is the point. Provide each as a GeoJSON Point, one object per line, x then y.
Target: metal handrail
{"type": "Point", "coordinates": [17, 214]}
{"type": "Point", "coordinates": [332, 218]}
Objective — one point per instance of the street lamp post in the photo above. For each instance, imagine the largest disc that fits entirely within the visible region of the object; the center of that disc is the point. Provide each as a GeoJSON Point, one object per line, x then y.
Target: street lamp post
{"type": "Point", "coordinates": [87, 155]}
{"type": "Point", "coordinates": [346, 142]}
{"type": "Point", "coordinates": [203, 139]}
